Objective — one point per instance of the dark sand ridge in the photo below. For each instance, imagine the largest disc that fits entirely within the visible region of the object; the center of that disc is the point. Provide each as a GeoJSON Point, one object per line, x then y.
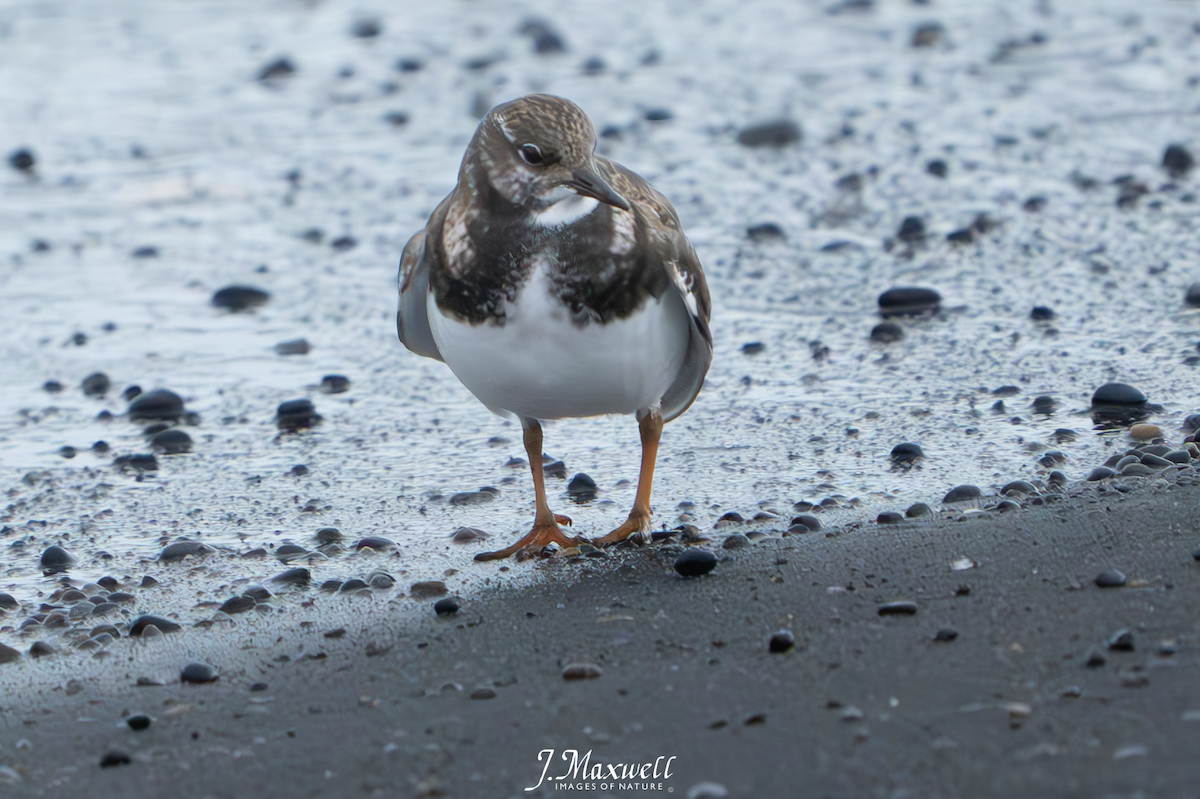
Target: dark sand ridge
{"type": "Point", "coordinates": [864, 705]}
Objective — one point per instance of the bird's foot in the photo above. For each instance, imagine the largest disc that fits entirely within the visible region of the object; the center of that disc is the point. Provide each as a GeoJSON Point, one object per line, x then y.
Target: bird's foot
{"type": "Point", "coordinates": [540, 536]}
{"type": "Point", "coordinates": [638, 524]}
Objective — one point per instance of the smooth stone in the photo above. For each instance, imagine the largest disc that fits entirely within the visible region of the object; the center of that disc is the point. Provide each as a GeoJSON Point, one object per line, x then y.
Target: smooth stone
{"type": "Point", "coordinates": [42, 649]}
{"type": "Point", "coordinates": [8, 654]}
{"type": "Point", "coordinates": [112, 759]}
{"type": "Point", "coordinates": [136, 463]}
{"type": "Point", "coordinates": [381, 580]}
{"type": "Point", "coordinates": [290, 552]}
{"type": "Point", "coordinates": [581, 489]}
{"type": "Point", "coordinates": [55, 559]}
{"type": "Point", "coordinates": [1121, 641]}
{"type": "Point", "coordinates": [889, 517]}
{"type": "Point", "coordinates": [1041, 313]}
{"type": "Point", "coordinates": [1145, 432]}
{"type": "Point", "coordinates": [906, 453]}
{"type": "Point", "coordinates": [1110, 578]}
{"type": "Point", "coordinates": [1178, 456]}
{"type": "Point", "coordinates": [808, 520]}
{"type": "Point", "coordinates": [781, 641]}
{"type": "Point", "coordinates": [139, 625]}
{"type": "Point", "coordinates": [695, 562]}
{"type": "Point", "coordinates": [179, 550]}
{"type": "Point", "coordinates": [472, 498]}
{"type": "Point", "coordinates": [1100, 473]}
{"type": "Point", "coordinates": [1136, 470]}
{"type": "Point", "coordinates": [8, 602]}
{"type": "Point", "coordinates": [428, 589]}
{"type": "Point", "coordinates": [158, 404]}
{"type": "Point", "coordinates": [171, 442]}
{"type": "Point", "coordinates": [467, 535]}
{"type": "Point", "coordinates": [328, 535]}
{"type": "Point", "coordinates": [556, 469]}
{"type": "Point", "coordinates": [22, 160]}
{"type": "Point", "coordinates": [1177, 160]}
{"type": "Point", "coordinates": [148, 582]}
{"type": "Point", "coordinates": [1154, 461]}
{"type": "Point", "coordinates": [298, 576]}
{"type": "Point", "coordinates": [581, 671]}
{"type": "Point", "coordinates": [374, 542]}
{"type": "Point", "coordinates": [238, 604]}
{"type": "Point", "coordinates": [911, 231]}
{"type": "Point", "coordinates": [765, 231]}
{"type": "Point", "coordinates": [908, 301]}
{"type": "Point", "coordinates": [294, 346]}
{"type": "Point", "coordinates": [887, 333]}
{"type": "Point", "coordinates": [446, 606]}
{"type": "Point", "coordinates": [1117, 394]}
{"type": "Point", "coordinates": [736, 541]}
{"type": "Point", "coordinates": [334, 384]}
{"type": "Point", "coordinates": [1044, 405]}
{"type": "Point", "coordinates": [1017, 487]}
{"type": "Point", "coordinates": [257, 592]}
{"type": "Point", "coordinates": [298, 414]}
{"type": "Point", "coordinates": [197, 673]}
{"type": "Point", "coordinates": [899, 607]}
{"type": "Point", "coordinates": [352, 585]}
{"type": "Point", "coordinates": [483, 693]}
{"type": "Point", "coordinates": [961, 493]}
{"type": "Point", "coordinates": [239, 298]}
{"type": "Point", "coordinates": [138, 722]}
{"type": "Point", "coordinates": [776, 133]}
{"type": "Point", "coordinates": [945, 634]}
{"type": "Point", "coordinates": [96, 384]}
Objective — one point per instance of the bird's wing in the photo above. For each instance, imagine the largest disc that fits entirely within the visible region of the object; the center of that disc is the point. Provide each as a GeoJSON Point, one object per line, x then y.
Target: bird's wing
{"type": "Point", "coordinates": [687, 278]}
{"type": "Point", "coordinates": [412, 318]}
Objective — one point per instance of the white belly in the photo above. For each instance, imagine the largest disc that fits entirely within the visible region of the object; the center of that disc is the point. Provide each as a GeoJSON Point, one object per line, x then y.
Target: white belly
{"type": "Point", "coordinates": [541, 365]}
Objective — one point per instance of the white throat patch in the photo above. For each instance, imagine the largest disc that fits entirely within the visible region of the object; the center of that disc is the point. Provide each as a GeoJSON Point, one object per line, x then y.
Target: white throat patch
{"type": "Point", "coordinates": [567, 210]}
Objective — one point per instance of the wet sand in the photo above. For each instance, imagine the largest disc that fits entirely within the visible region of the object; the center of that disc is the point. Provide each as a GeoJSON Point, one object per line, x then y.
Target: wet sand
{"type": "Point", "coordinates": [864, 705]}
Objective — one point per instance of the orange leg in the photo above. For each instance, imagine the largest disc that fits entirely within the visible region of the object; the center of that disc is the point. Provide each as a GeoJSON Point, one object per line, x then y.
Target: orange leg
{"type": "Point", "coordinates": [545, 523]}
{"type": "Point", "coordinates": [651, 426]}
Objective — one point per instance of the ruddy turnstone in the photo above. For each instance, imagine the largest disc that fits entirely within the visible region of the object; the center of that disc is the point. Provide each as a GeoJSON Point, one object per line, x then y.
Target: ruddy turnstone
{"type": "Point", "coordinates": [556, 283]}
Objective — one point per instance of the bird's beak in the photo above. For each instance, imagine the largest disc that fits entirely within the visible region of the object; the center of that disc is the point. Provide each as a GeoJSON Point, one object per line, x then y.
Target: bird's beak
{"type": "Point", "coordinates": [587, 183]}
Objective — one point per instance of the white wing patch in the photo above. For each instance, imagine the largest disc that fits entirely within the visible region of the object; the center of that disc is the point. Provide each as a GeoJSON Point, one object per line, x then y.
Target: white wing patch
{"type": "Point", "coordinates": [684, 283]}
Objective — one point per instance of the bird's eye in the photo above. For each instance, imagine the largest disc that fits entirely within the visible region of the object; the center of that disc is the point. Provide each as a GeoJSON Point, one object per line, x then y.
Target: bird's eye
{"type": "Point", "coordinates": [532, 155]}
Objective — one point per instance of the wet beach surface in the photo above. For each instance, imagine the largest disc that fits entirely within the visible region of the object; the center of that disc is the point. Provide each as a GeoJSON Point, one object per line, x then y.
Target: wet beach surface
{"type": "Point", "coordinates": [1029, 164]}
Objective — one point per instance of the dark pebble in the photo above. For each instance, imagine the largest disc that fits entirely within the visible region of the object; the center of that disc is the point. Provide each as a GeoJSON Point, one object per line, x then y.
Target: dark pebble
{"type": "Point", "coordinates": [928, 34]}
{"type": "Point", "coordinates": [1178, 456]}
{"type": "Point", "coordinates": [238, 604]}
{"type": "Point", "coordinates": [329, 535]}
{"type": "Point", "coordinates": [181, 549]}
{"type": "Point", "coordinates": [446, 606]}
{"type": "Point", "coordinates": [911, 231]}
{"type": "Point", "coordinates": [67, 451]}
{"type": "Point", "coordinates": [695, 562]}
{"type": "Point", "coordinates": [1195, 556]}
{"type": "Point", "coordinates": [353, 584]}
{"type": "Point", "coordinates": [736, 541]}
{"type": "Point", "coordinates": [299, 470]}
{"type": "Point", "coordinates": [731, 516]}
{"type": "Point", "coordinates": [41, 649]}
{"type": "Point", "coordinates": [161, 404]}
{"type": "Point", "coordinates": [8, 654]}
{"type": "Point", "coordinates": [766, 231]}
{"type": "Point", "coordinates": [22, 160]}
{"type": "Point", "coordinates": [657, 114]}
{"type": "Point", "coordinates": [331, 586]}
{"type": "Point", "coordinates": [366, 28]}
{"type": "Point", "coordinates": [197, 673]}
{"type": "Point", "coordinates": [1177, 161]}
{"type": "Point", "coordinates": [908, 301]}
{"type": "Point", "coordinates": [887, 333]}
{"type": "Point", "coordinates": [381, 580]}
{"type": "Point", "coordinates": [295, 346]}
{"type": "Point", "coordinates": [963, 236]}
{"type": "Point", "coordinates": [257, 592]}
{"type": "Point", "coordinates": [472, 498]}
{"type": "Point", "coordinates": [777, 133]}
{"type": "Point", "coordinates": [483, 693]}
{"type": "Point", "coordinates": [917, 510]}
{"type": "Point", "coordinates": [937, 167]}
{"type": "Point", "coordinates": [581, 671]}
{"type": "Point", "coordinates": [377, 543]}
{"type": "Point", "coordinates": [753, 348]}
{"type": "Point", "coordinates": [100, 447]}
{"type": "Point", "coordinates": [120, 597]}
{"type": "Point", "coordinates": [900, 607]}
{"type": "Point", "coordinates": [961, 493]}
{"type": "Point", "coordinates": [467, 535]}
{"type": "Point", "coordinates": [297, 415]}
{"type": "Point", "coordinates": [171, 442]}
{"type": "Point", "coordinates": [132, 391]}
{"type": "Point", "coordinates": [1117, 394]}
{"type": "Point", "coordinates": [1192, 297]}
{"type": "Point", "coordinates": [239, 298]}
{"type": "Point", "coordinates": [52, 387]}
{"type": "Point", "coordinates": [96, 384]}
{"type": "Point", "coordinates": [556, 469]}
{"type": "Point", "coordinates": [144, 252]}
{"type": "Point", "coordinates": [1044, 405]}
{"type": "Point", "coordinates": [1041, 313]}
{"type": "Point", "coordinates": [1192, 422]}
{"type": "Point", "coordinates": [1034, 204]}
{"type": "Point", "coordinates": [334, 384]}
{"type": "Point", "coordinates": [808, 520]}
{"type": "Point", "coordinates": [111, 759]}
{"type": "Point", "coordinates": [1120, 641]}
{"type": "Point", "coordinates": [594, 66]}
{"type": "Point", "coordinates": [781, 641]}
{"type": "Point", "coordinates": [273, 72]}
{"type": "Point", "coordinates": [1052, 458]}
{"type": "Point", "coordinates": [581, 489]}
{"type": "Point", "coordinates": [298, 576]}
{"type": "Point", "coordinates": [343, 243]}
{"type": "Point", "coordinates": [55, 559]}
{"type": "Point", "coordinates": [287, 552]}
{"type": "Point", "coordinates": [8, 602]}
{"type": "Point", "coordinates": [546, 40]}
{"type": "Point", "coordinates": [906, 453]}
{"type": "Point", "coordinates": [889, 517]}
{"type": "Point", "coordinates": [140, 624]}
{"type": "Point", "coordinates": [1100, 473]}
{"type": "Point", "coordinates": [1017, 487]}
{"type": "Point", "coordinates": [1110, 578]}
{"type": "Point", "coordinates": [138, 722]}
{"type": "Point", "coordinates": [428, 589]}
{"type": "Point", "coordinates": [946, 634]}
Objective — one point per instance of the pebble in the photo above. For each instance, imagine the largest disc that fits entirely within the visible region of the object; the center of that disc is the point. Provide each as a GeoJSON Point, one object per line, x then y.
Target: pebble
{"type": "Point", "coordinates": [139, 625]}
{"type": "Point", "coordinates": [52, 387]}
{"type": "Point", "coordinates": [707, 790]}
{"type": "Point", "coordinates": [381, 580]}
{"type": "Point", "coordinates": [428, 589]}
{"type": "Point", "coordinates": [1136, 470]}
{"type": "Point", "coordinates": [899, 607]}
{"type": "Point", "coordinates": [289, 552]}
{"type": "Point", "coordinates": [22, 160]}
{"type": "Point", "coordinates": [1095, 659]}
{"type": "Point", "coordinates": [55, 559]}
{"type": "Point", "coordinates": [181, 549]}
{"type": "Point", "coordinates": [96, 384]}
{"type": "Point", "coordinates": [238, 604]}
{"type": "Point", "coordinates": [736, 541]}
{"type": "Point", "coordinates": [1110, 578]}
{"type": "Point", "coordinates": [294, 346]}
{"type": "Point", "coordinates": [334, 384]}
{"type": "Point", "coordinates": [917, 510]}
{"type": "Point", "coordinates": [1117, 394]}
{"type": "Point", "coordinates": [1100, 473]}
{"type": "Point", "coordinates": [1120, 641]}
{"type": "Point", "coordinates": [42, 649]}
{"type": "Point", "coordinates": [483, 693]}
{"type": "Point", "coordinates": [467, 535]}
{"type": "Point", "coordinates": [447, 606]}
{"type": "Point", "coordinates": [257, 592]}
{"type": "Point", "coordinates": [8, 602]}
{"type": "Point", "coordinates": [1177, 161]}
{"type": "Point", "coordinates": [138, 722]}
{"type": "Point", "coordinates": [546, 40]}
{"type": "Point", "coordinates": [343, 243]}
{"type": "Point", "coordinates": [581, 489]}
{"type": "Point", "coordinates": [887, 333]}
{"type": "Point", "coordinates": [889, 517]}
{"type": "Point", "coordinates": [366, 28]}
{"type": "Point", "coordinates": [197, 673]}
{"type": "Point", "coordinates": [808, 520]}
{"type": "Point", "coordinates": [115, 758]}
{"type": "Point", "coordinates": [275, 72]}
{"type": "Point", "coordinates": [329, 535]}
{"type": "Point", "coordinates": [296, 414]}
{"type": "Point", "coordinates": [480, 497]}
{"type": "Point", "coordinates": [658, 115]}
{"type": "Point", "coordinates": [556, 469]}
{"type": "Point", "coordinates": [377, 543]}
{"type": "Point", "coordinates": [297, 576]}
{"type": "Point", "coordinates": [908, 301]}
{"type": "Point", "coordinates": [1034, 204]}
{"type": "Point", "coordinates": [144, 252]}
{"type": "Point", "coordinates": [781, 641]}
{"type": "Point", "coordinates": [161, 404]}
{"type": "Point", "coordinates": [766, 231]}
{"type": "Point", "coordinates": [1192, 297]}
{"type": "Point", "coordinates": [1041, 313]}
{"type": "Point", "coordinates": [1145, 432]}
{"type": "Point", "coordinates": [776, 133]}
{"type": "Point", "coordinates": [239, 298]}
{"type": "Point", "coordinates": [937, 167]}
{"type": "Point", "coordinates": [1044, 405]}
{"type": "Point", "coordinates": [581, 671]}
{"type": "Point", "coordinates": [928, 34]}
{"type": "Point", "coordinates": [1017, 487]}
{"type": "Point", "coordinates": [961, 493]}
{"type": "Point", "coordinates": [8, 654]}
{"type": "Point", "coordinates": [148, 582]}
{"type": "Point", "coordinates": [171, 442]}
{"type": "Point", "coordinates": [352, 585]}
{"type": "Point", "coordinates": [912, 231]}
{"type": "Point", "coordinates": [695, 562]}
{"type": "Point", "coordinates": [946, 634]}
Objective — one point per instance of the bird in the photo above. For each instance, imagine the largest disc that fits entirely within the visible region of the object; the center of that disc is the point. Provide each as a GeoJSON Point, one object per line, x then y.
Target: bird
{"type": "Point", "coordinates": [556, 283]}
